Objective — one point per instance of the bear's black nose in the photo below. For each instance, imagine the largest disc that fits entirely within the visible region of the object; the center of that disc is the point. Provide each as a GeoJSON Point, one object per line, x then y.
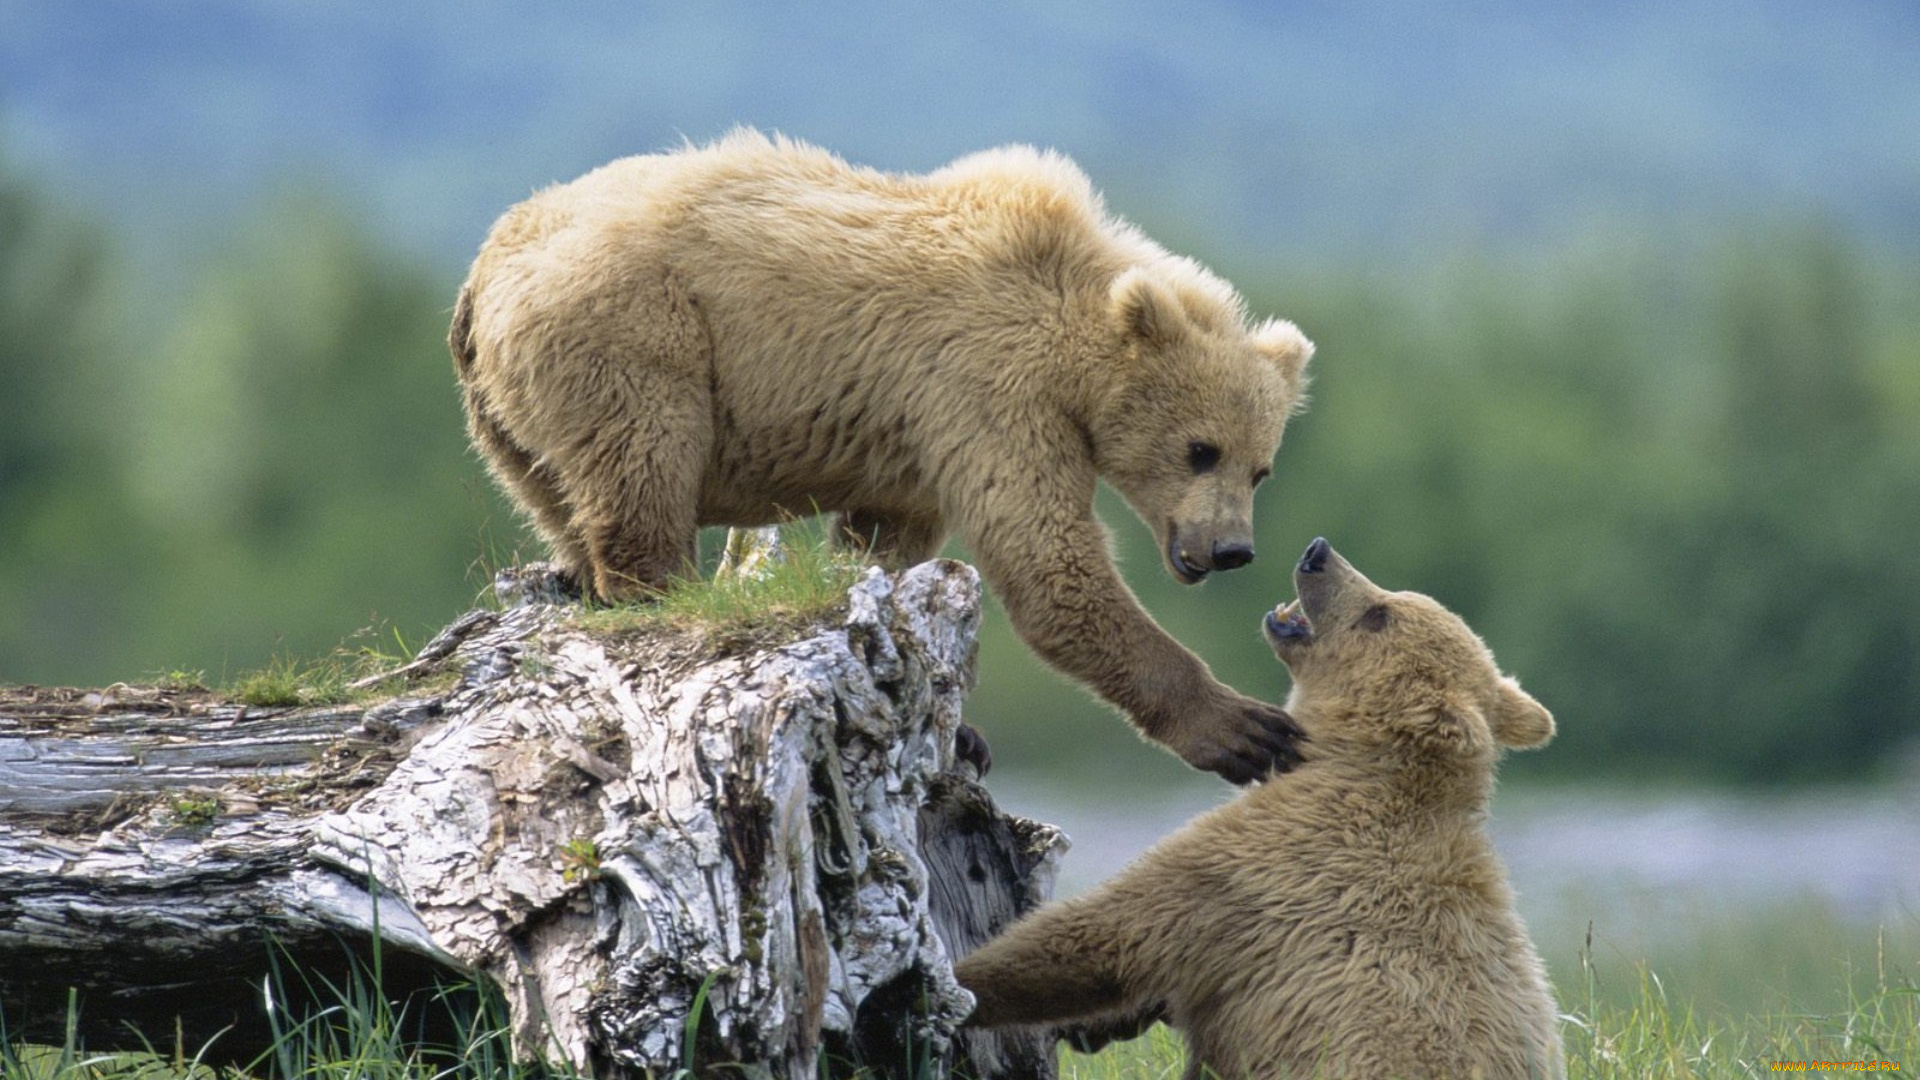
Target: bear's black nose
{"type": "Point", "coordinates": [1231, 556]}
{"type": "Point", "coordinates": [1314, 559]}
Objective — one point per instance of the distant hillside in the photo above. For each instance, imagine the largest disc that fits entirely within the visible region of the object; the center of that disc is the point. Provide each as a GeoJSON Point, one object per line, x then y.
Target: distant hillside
{"type": "Point", "coordinates": [1312, 128]}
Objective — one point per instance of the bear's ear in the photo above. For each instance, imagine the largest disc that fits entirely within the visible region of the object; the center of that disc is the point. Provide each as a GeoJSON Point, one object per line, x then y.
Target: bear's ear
{"type": "Point", "coordinates": [1517, 719]}
{"type": "Point", "coordinates": [1146, 309]}
{"type": "Point", "coordinates": [1448, 729]}
{"type": "Point", "coordinates": [1282, 342]}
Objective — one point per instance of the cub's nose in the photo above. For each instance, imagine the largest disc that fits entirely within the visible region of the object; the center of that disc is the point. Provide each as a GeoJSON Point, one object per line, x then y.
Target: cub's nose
{"type": "Point", "coordinates": [1232, 556]}
{"type": "Point", "coordinates": [1314, 559]}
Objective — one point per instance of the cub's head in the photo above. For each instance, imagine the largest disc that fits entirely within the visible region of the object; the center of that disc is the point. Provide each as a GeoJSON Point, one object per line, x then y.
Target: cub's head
{"type": "Point", "coordinates": [1200, 401]}
{"type": "Point", "coordinates": [1374, 668]}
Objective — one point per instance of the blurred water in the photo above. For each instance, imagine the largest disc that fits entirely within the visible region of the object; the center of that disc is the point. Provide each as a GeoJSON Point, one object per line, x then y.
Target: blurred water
{"type": "Point", "coordinates": [1856, 852]}
{"type": "Point", "coordinates": [1632, 861]}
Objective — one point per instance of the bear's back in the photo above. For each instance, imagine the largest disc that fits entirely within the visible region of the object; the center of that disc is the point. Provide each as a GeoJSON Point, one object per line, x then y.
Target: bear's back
{"type": "Point", "coordinates": [757, 225]}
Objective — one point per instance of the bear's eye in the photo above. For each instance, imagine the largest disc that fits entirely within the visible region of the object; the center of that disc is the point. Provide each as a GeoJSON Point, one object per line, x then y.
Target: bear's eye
{"type": "Point", "coordinates": [1202, 456]}
{"type": "Point", "coordinates": [1374, 619]}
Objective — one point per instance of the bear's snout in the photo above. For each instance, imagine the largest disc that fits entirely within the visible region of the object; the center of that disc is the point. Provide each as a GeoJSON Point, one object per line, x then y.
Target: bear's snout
{"type": "Point", "coordinates": [1182, 565]}
{"type": "Point", "coordinates": [1322, 578]}
{"type": "Point", "coordinates": [1192, 564]}
{"type": "Point", "coordinates": [1231, 555]}
{"type": "Point", "coordinates": [1314, 559]}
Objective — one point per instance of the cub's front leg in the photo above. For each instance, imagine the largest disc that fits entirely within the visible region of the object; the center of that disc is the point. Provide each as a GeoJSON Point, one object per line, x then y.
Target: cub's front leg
{"type": "Point", "coordinates": [1059, 964]}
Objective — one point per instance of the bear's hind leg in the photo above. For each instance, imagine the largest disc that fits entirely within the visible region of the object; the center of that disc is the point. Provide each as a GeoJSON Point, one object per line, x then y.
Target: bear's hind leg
{"type": "Point", "coordinates": [530, 482]}
{"type": "Point", "coordinates": [635, 489]}
{"type": "Point", "coordinates": [632, 368]}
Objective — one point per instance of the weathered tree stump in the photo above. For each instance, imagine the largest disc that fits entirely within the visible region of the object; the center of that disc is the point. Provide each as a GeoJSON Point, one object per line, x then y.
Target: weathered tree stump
{"type": "Point", "coordinates": [602, 823]}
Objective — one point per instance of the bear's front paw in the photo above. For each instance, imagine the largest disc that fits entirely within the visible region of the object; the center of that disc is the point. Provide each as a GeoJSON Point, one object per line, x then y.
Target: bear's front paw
{"type": "Point", "coordinates": [1243, 741]}
{"type": "Point", "coordinates": [1093, 1036]}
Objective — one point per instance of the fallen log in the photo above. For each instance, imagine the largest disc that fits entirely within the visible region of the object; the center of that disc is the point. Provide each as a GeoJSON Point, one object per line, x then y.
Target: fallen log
{"type": "Point", "coordinates": [607, 822]}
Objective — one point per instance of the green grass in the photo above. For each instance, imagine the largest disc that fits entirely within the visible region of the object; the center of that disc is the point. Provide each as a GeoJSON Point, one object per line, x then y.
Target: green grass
{"type": "Point", "coordinates": [1641, 1029]}
{"type": "Point", "coordinates": [808, 583]}
{"type": "Point", "coordinates": [1651, 1037]}
{"type": "Point", "coordinates": [1796, 956]}
{"type": "Point", "coordinates": [1656, 1037]}
{"type": "Point", "coordinates": [180, 680]}
{"type": "Point", "coordinates": [1792, 984]}
{"type": "Point", "coordinates": [354, 1032]}
{"type": "Point", "coordinates": [1625, 1020]}
{"type": "Point", "coordinates": [332, 679]}
{"type": "Point", "coordinates": [288, 681]}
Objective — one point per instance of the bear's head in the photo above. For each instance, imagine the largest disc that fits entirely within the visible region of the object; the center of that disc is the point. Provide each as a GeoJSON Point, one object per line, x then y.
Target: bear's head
{"type": "Point", "coordinates": [1197, 410]}
{"type": "Point", "coordinates": [1379, 669]}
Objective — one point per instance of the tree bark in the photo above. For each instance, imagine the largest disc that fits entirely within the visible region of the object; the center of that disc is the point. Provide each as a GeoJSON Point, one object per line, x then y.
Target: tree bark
{"type": "Point", "coordinates": [607, 825]}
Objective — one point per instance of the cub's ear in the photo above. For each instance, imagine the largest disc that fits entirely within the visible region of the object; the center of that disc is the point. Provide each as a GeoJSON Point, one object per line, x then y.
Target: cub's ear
{"type": "Point", "coordinates": [1147, 309]}
{"type": "Point", "coordinates": [1518, 720]}
{"type": "Point", "coordinates": [1447, 729]}
{"type": "Point", "coordinates": [1282, 342]}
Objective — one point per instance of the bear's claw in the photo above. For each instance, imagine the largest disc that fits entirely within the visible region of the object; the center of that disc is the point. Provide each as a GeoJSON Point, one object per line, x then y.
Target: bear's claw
{"type": "Point", "coordinates": [1093, 1036]}
{"type": "Point", "coordinates": [1270, 746]}
{"type": "Point", "coordinates": [971, 746]}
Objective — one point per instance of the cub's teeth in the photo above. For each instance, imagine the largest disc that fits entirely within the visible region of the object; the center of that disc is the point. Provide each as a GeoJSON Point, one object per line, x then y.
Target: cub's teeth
{"type": "Point", "coordinates": [1287, 610]}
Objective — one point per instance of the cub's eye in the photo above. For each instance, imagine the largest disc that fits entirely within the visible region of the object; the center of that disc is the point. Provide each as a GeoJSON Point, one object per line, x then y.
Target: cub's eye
{"type": "Point", "coordinates": [1375, 619]}
{"type": "Point", "coordinates": [1202, 456]}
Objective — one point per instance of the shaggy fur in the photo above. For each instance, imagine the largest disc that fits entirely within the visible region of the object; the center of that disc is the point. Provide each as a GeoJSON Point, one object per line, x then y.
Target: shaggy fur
{"type": "Point", "coordinates": [730, 334]}
{"type": "Point", "coordinates": [1347, 919]}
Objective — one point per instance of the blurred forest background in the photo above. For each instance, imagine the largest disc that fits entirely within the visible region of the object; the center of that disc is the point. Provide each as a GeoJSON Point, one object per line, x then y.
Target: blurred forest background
{"type": "Point", "coordinates": [1619, 347]}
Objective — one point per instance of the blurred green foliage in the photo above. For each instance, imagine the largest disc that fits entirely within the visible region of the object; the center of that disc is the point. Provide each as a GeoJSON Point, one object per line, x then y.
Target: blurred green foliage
{"type": "Point", "coordinates": [259, 457]}
{"type": "Point", "coordinates": [1675, 484]}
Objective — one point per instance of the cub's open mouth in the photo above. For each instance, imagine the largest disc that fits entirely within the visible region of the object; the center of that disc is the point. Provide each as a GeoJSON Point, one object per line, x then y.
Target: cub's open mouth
{"type": "Point", "coordinates": [1288, 622]}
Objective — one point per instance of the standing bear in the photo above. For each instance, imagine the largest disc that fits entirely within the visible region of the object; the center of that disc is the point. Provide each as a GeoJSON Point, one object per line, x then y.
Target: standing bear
{"type": "Point", "coordinates": [751, 330]}
{"type": "Point", "coordinates": [1348, 919]}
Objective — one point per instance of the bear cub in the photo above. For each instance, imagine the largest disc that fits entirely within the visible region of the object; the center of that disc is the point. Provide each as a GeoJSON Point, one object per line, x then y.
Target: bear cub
{"type": "Point", "coordinates": [1347, 919]}
{"type": "Point", "coordinates": [739, 333]}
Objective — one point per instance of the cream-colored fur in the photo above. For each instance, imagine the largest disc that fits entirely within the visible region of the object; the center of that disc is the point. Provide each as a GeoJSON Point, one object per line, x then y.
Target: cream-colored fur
{"type": "Point", "coordinates": [730, 334]}
{"type": "Point", "coordinates": [1349, 919]}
